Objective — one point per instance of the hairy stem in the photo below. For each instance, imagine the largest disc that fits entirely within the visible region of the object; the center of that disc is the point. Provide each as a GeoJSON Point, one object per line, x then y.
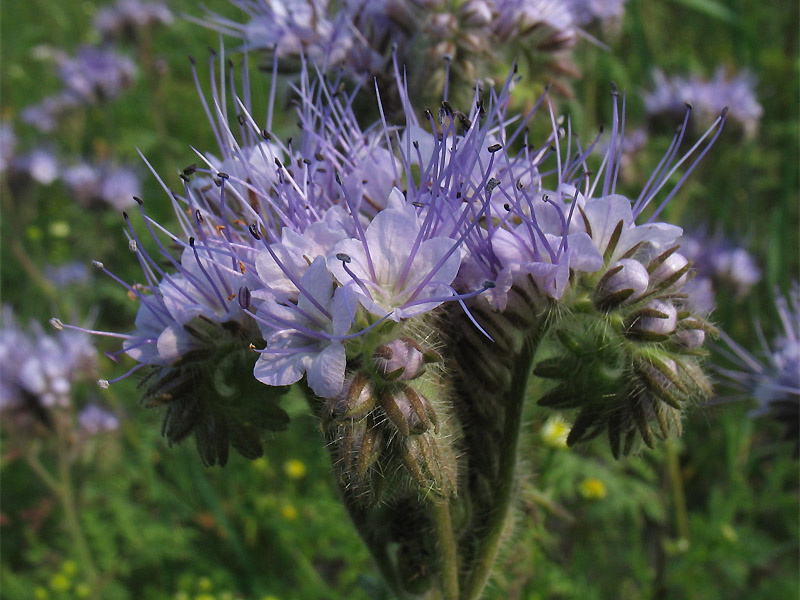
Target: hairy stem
{"type": "Point", "coordinates": [448, 555]}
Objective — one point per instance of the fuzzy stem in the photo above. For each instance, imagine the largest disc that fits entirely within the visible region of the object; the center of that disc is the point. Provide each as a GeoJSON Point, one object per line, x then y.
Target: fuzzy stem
{"type": "Point", "coordinates": [678, 495]}
{"type": "Point", "coordinates": [440, 511]}
{"type": "Point", "coordinates": [487, 554]}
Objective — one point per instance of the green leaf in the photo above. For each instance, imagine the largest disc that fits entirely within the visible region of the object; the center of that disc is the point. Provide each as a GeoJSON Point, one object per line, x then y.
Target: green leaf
{"type": "Point", "coordinates": [710, 8]}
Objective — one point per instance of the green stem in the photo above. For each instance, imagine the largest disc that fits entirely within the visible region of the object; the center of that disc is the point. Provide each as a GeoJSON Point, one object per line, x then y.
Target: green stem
{"type": "Point", "coordinates": [448, 555]}
{"type": "Point", "coordinates": [490, 546]}
{"type": "Point", "coordinates": [678, 495]}
{"type": "Point", "coordinates": [71, 515]}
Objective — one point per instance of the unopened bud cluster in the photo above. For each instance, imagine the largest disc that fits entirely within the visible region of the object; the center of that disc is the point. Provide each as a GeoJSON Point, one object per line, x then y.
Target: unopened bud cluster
{"type": "Point", "coordinates": [384, 430]}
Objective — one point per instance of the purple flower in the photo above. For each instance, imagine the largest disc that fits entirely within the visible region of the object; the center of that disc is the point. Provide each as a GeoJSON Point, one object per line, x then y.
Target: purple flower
{"type": "Point", "coordinates": [114, 186]}
{"type": "Point", "coordinates": [96, 74]}
{"type": "Point", "coordinates": [707, 97]}
{"type": "Point", "coordinates": [772, 377]}
{"type": "Point", "coordinates": [94, 419]}
{"type": "Point", "coordinates": [41, 165]}
{"type": "Point", "coordinates": [722, 262]}
{"type": "Point", "coordinates": [46, 116]}
{"type": "Point", "coordinates": [585, 11]}
{"type": "Point", "coordinates": [71, 273]}
{"type": "Point", "coordinates": [8, 144]}
{"type": "Point", "coordinates": [126, 16]}
{"type": "Point", "coordinates": [308, 245]}
{"type": "Point", "coordinates": [37, 371]}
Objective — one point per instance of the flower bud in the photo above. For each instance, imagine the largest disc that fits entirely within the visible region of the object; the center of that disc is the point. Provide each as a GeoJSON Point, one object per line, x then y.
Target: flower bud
{"type": "Point", "coordinates": [356, 400]}
{"type": "Point", "coordinates": [670, 270]}
{"type": "Point", "coordinates": [625, 281]}
{"type": "Point", "coordinates": [401, 359]}
{"type": "Point", "coordinates": [410, 412]}
{"type": "Point", "coordinates": [691, 338]}
{"type": "Point", "coordinates": [656, 320]}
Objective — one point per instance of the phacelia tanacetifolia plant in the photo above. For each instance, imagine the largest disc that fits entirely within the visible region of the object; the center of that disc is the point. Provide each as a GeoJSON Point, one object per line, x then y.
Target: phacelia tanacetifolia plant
{"type": "Point", "coordinates": [409, 278]}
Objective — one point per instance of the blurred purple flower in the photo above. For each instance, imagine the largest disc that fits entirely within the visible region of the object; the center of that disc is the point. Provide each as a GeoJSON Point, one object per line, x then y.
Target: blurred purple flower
{"type": "Point", "coordinates": [96, 74]}
{"type": "Point", "coordinates": [68, 274]}
{"type": "Point", "coordinates": [126, 16]}
{"type": "Point", "coordinates": [115, 186]}
{"type": "Point", "coordinates": [772, 377]}
{"type": "Point", "coordinates": [41, 165]}
{"type": "Point", "coordinates": [94, 419]}
{"type": "Point", "coordinates": [38, 371]}
{"type": "Point", "coordinates": [722, 262]}
{"type": "Point", "coordinates": [8, 145]}
{"type": "Point", "coordinates": [707, 97]}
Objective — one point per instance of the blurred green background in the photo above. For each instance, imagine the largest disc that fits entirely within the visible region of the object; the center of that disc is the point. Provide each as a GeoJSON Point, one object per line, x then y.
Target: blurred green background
{"type": "Point", "coordinates": [713, 516]}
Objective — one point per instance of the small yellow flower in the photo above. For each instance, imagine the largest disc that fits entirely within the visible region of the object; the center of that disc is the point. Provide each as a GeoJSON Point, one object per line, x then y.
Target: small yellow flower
{"type": "Point", "coordinates": [59, 229]}
{"type": "Point", "coordinates": [295, 469]}
{"type": "Point", "coordinates": [555, 431]}
{"type": "Point", "coordinates": [729, 533]}
{"type": "Point", "coordinates": [270, 597]}
{"type": "Point", "coordinates": [181, 596]}
{"type": "Point", "coordinates": [289, 512]}
{"type": "Point", "coordinates": [593, 489]}
{"type": "Point", "coordinates": [261, 464]}
{"type": "Point", "coordinates": [70, 567]}
{"type": "Point", "coordinates": [204, 584]}
{"type": "Point", "coordinates": [82, 590]}
{"type": "Point", "coordinates": [205, 596]}
{"type": "Point", "coordinates": [41, 593]}
{"type": "Point", "coordinates": [60, 583]}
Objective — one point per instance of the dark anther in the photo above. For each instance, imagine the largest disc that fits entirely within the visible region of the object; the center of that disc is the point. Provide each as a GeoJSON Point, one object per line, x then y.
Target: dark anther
{"type": "Point", "coordinates": [138, 200]}
{"type": "Point", "coordinates": [495, 147]}
{"type": "Point", "coordinates": [124, 215]}
{"type": "Point", "coordinates": [191, 242]}
{"type": "Point", "coordinates": [688, 104]}
{"type": "Point", "coordinates": [614, 89]}
{"type": "Point", "coordinates": [458, 194]}
{"type": "Point", "coordinates": [240, 118]}
{"type": "Point", "coordinates": [192, 60]}
{"type": "Point", "coordinates": [198, 216]}
{"type": "Point", "coordinates": [278, 163]}
{"type": "Point", "coordinates": [211, 51]}
{"type": "Point", "coordinates": [253, 227]}
{"type": "Point", "coordinates": [289, 142]}
{"type": "Point", "coordinates": [415, 143]}
{"type": "Point", "coordinates": [724, 112]}
{"type": "Point", "coordinates": [305, 160]}
{"type": "Point", "coordinates": [190, 169]}
{"type": "Point", "coordinates": [184, 177]}
{"type": "Point", "coordinates": [465, 122]}
{"type": "Point", "coordinates": [337, 178]}
{"type": "Point", "coordinates": [428, 114]}
{"type": "Point", "coordinates": [507, 206]}
{"type": "Point", "coordinates": [417, 204]}
{"type": "Point", "coordinates": [487, 285]}
{"type": "Point", "coordinates": [266, 134]}
{"type": "Point", "coordinates": [222, 175]}
{"type": "Point", "coordinates": [244, 297]}
{"type": "Point", "coordinates": [345, 258]}
{"type": "Point", "coordinates": [319, 156]}
{"type": "Point", "coordinates": [491, 184]}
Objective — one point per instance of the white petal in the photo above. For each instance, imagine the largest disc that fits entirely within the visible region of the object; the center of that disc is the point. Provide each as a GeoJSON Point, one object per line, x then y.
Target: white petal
{"type": "Point", "coordinates": [326, 372]}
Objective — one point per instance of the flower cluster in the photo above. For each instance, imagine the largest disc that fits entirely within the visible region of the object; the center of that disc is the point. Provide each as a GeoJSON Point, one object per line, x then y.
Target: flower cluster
{"type": "Point", "coordinates": [773, 377]}
{"type": "Point", "coordinates": [336, 253]}
{"type": "Point", "coordinates": [720, 265]}
{"type": "Point", "coordinates": [92, 76]}
{"type": "Point", "coordinates": [38, 371]}
{"type": "Point", "coordinates": [362, 36]}
{"type": "Point", "coordinates": [126, 17]}
{"type": "Point", "coordinates": [670, 94]}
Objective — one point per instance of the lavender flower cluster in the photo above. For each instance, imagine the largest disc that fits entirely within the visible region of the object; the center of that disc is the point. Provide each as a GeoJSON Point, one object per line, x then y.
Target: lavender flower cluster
{"type": "Point", "coordinates": [95, 75]}
{"type": "Point", "coordinates": [670, 94]}
{"type": "Point", "coordinates": [38, 374]}
{"type": "Point", "coordinates": [361, 36]}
